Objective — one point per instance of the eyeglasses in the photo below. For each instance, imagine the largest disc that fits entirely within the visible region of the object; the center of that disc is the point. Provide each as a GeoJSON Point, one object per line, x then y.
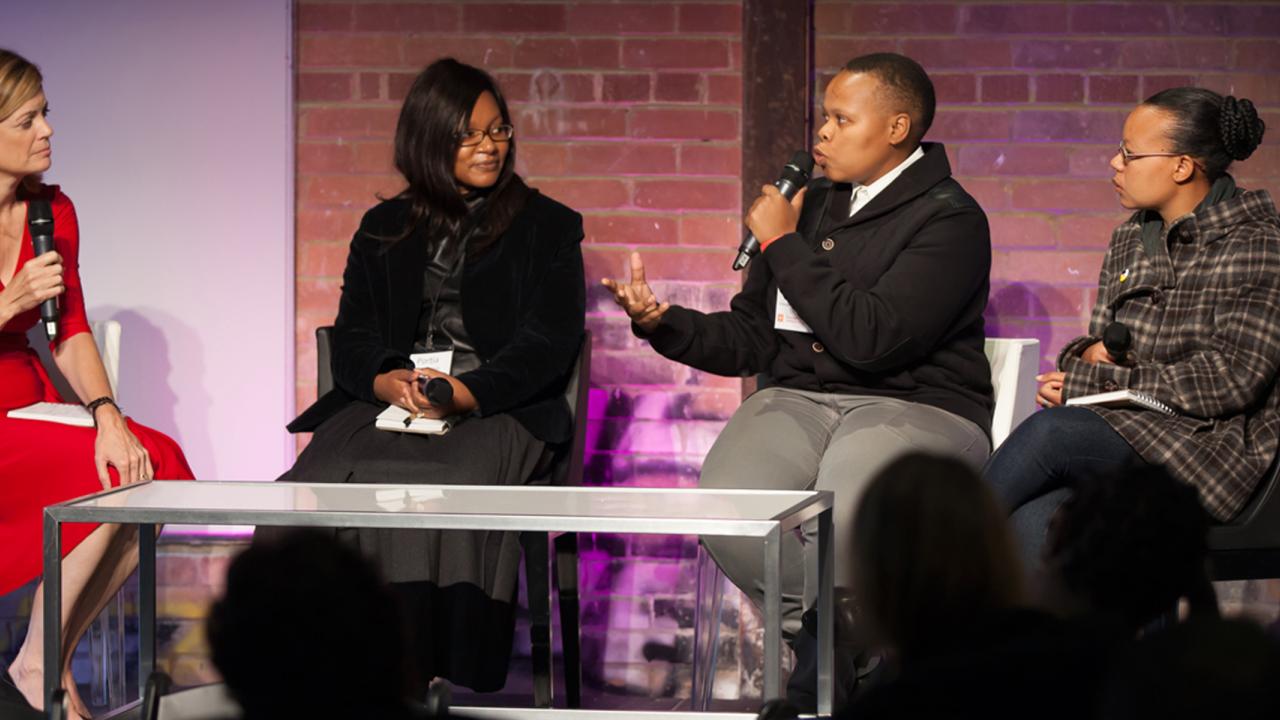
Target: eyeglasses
{"type": "Point", "coordinates": [1127, 157]}
{"type": "Point", "coordinates": [499, 133]}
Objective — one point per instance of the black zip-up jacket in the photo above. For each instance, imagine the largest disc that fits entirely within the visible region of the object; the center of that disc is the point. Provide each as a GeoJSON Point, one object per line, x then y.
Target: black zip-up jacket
{"type": "Point", "coordinates": [894, 295]}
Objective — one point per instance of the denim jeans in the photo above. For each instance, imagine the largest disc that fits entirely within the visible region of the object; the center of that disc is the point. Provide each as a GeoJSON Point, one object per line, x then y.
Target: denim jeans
{"type": "Point", "coordinates": [1033, 471]}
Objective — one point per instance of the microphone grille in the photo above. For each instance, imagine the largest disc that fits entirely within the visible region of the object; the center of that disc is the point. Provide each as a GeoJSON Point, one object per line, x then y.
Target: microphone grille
{"type": "Point", "coordinates": [802, 161]}
{"type": "Point", "coordinates": [1117, 338]}
{"type": "Point", "coordinates": [39, 213]}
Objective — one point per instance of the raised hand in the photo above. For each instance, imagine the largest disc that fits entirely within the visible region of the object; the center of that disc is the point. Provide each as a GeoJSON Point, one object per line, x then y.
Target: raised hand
{"type": "Point", "coordinates": [637, 298]}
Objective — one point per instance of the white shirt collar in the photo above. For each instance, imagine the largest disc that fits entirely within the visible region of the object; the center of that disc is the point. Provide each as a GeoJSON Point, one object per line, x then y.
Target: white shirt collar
{"type": "Point", "coordinates": [863, 194]}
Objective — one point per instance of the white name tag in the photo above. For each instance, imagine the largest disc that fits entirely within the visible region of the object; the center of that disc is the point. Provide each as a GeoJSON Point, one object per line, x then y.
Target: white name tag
{"type": "Point", "coordinates": [786, 317]}
{"type": "Point", "coordinates": [440, 361]}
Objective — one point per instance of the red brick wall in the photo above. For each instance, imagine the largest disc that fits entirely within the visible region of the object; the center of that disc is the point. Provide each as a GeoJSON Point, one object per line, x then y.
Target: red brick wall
{"type": "Point", "coordinates": [629, 113]}
{"type": "Point", "coordinates": [1032, 97]}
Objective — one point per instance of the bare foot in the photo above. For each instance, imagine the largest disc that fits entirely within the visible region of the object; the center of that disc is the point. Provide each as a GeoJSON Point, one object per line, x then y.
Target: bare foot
{"type": "Point", "coordinates": [29, 682]}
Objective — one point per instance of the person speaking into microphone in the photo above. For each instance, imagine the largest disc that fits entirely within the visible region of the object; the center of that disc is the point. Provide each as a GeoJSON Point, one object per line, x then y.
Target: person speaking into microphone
{"type": "Point", "coordinates": [44, 463]}
{"type": "Point", "coordinates": [862, 314]}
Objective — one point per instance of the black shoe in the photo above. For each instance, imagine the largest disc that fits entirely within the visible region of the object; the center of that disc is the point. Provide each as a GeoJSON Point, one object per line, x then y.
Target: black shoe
{"type": "Point", "coordinates": [854, 664]}
{"type": "Point", "coordinates": [778, 710]}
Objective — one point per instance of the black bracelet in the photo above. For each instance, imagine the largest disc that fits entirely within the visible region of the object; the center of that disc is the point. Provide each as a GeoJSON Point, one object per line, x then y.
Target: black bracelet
{"type": "Point", "coordinates": [93, 406]}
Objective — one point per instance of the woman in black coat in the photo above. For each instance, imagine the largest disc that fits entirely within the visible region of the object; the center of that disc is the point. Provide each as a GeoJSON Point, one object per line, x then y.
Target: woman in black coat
{"type": "Point", "coordinates": [471, 261]}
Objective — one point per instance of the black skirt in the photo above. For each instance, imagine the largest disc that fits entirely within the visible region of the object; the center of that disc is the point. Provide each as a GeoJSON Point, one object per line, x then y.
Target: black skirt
{"type": "Point", "coordinates": [457, 587]}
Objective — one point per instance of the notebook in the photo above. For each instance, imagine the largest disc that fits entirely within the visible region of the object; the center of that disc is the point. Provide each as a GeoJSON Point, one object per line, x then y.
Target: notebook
{"type": "Point", "coordinates": [1123, 399]}
{"type": "Point", "coordinates": [65, 413]}
{"type": "Point", "coordinates": [394, 417]}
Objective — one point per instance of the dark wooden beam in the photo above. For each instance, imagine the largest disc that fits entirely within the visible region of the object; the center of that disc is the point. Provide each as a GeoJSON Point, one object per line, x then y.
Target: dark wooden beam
{"type": "Point", "coordinates": [777, 94]}
{"type": "Point", "coordinates": [777, 88]}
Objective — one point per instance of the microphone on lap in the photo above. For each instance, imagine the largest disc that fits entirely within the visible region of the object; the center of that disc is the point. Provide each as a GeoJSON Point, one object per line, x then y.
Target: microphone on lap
{"type": "Point", "coordinates": [794, 176]}
{"type": "Point", "coordinates": [40, 223]}
{"type": "Point", "coordinates": [438, 391]}
{"type": "Point", "coordinates": [1117, 339]}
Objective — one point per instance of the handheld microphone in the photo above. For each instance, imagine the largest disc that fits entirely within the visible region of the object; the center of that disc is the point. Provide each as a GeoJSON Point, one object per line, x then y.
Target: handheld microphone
{"type": "Point", "coordinates": [794, 176]}
{"type": "Point", "coordinates": [438, 391]}
{"type": "Point", "coordinates": [40, 223]}
{"type": "Point", "coordinates": [1117, 339]}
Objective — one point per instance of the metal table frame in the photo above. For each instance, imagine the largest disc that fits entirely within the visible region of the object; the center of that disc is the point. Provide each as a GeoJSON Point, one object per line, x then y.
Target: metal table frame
{"type": "Point", "coordinates": [812, 505]}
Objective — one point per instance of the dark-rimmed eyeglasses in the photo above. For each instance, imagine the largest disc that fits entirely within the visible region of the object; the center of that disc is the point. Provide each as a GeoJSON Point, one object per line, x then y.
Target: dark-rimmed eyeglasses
{"type": "Point", "coordinates": [1127, 157]}
{"type": "Point", "coordinates": [498, 133]}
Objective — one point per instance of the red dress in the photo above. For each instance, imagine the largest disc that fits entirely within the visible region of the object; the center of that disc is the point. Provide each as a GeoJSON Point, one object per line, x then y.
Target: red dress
{"type": "Point", "coordinates": [43, 463]}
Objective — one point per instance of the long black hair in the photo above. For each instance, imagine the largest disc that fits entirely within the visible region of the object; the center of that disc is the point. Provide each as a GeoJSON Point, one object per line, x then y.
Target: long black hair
{"type": "Point", "coordinates": [1215, 130]}
{"type": "Point", "coordinates": [436, 109]}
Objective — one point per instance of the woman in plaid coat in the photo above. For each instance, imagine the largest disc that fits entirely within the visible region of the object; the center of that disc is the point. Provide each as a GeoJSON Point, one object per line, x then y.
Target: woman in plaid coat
{"type": "Point", "coordinates": [1194, 275]}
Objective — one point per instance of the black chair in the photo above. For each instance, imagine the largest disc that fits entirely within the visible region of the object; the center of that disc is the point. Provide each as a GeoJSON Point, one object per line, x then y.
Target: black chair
{"type": "Point", "coordinates": [58, 709]}
{"type": "Point", "coordinates": [566, 470]}
{"type": "Point", "coordinates": [1248, 548]}
{"type": "Point", "coordinates": [158, 685]}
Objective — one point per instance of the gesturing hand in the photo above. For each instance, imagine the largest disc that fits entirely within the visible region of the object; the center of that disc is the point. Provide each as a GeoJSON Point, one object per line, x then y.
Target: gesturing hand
{"type": "Point", "coordinates": [37, 281]}
{"type": "Point", "coordinates": [636, 298]}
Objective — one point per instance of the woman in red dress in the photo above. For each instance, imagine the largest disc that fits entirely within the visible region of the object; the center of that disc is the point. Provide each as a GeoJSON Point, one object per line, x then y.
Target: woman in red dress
{"type": "Point", "coordinates": [43, 463]}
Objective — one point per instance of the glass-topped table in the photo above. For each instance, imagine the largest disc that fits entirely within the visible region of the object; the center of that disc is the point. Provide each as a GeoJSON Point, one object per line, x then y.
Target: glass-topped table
{"type": "Point", "coordinates": [765, 514]}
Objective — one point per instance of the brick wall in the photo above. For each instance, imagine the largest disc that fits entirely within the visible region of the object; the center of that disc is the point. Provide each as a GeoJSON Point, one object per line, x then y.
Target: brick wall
{"type": "Point", "coordinates": [629, 113]}
{"type": "Point", "coordinates": [1032, 97]}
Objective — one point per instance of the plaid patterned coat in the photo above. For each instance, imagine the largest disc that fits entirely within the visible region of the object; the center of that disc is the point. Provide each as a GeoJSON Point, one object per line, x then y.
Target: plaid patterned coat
{"type": "Point", "coordinates": [1205, 320]}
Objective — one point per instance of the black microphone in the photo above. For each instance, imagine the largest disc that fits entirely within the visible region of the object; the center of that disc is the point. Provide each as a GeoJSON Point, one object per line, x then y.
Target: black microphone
{"type": "Point", "coordinates": [1117, 339]}
{"type": "Point", "coordinates": [40, 223]}
{"type": "Point", "coordinates": [439, 391]}
{"type": "Point", "coordinates": [794, 176]}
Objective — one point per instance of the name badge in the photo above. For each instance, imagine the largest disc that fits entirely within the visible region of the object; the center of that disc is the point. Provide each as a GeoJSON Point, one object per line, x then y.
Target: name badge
{"type": "Point", "coordinates": [440, 361]}
{"type": "Point", "coordinates": [786, 317]}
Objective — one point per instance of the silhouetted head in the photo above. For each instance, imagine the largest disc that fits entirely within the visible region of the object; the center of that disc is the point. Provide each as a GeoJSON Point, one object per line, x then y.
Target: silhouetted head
{"type": "Point", "coordinates": [307, 629]}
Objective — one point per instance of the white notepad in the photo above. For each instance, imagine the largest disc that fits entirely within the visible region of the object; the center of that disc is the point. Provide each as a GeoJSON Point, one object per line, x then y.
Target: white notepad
{"type": "Point", "coordinates": [393, 419]}
{"type": "Point", "coordinates": [1123, 398]}
{"type": "Point", "coordinates": [65, 413]}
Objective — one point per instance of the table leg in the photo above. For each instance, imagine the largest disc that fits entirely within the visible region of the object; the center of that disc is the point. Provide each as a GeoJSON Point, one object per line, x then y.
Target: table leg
{"type": "Point", "coordinates": [52, 605]}
{"type": "Point", "coordinates": [773, 614]}
{"type": "Point", "coordinates": [826, 616]}
{"type": "Point", "coordinates": [146, 603]}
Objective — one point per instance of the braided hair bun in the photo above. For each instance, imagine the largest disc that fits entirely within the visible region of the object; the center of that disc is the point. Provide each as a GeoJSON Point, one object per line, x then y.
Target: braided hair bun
{"type": "Point", "coordinates": [1240, 126]}
{"type": "Point", "coordinates": [1208, 127]}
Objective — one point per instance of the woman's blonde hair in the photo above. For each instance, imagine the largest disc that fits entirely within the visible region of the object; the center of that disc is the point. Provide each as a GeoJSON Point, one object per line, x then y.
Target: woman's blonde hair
{"type": "Point", "coordinates": [20, 80]}
{"type": "Point", "coordinates": [932, 550]}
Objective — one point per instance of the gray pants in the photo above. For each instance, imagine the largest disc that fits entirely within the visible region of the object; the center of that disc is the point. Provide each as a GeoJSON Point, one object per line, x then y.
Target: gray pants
{"type": "Point", "coordinates": [782, 439]}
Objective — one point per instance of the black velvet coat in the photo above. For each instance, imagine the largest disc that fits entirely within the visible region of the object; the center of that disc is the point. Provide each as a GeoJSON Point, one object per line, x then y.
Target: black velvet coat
{"type": "Point", "coordinates": [523, 304]}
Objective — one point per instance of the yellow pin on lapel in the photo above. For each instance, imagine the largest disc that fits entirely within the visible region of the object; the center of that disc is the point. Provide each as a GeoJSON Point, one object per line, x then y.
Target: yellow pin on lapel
{"type": "Point", "coordinates": [1124, 275]}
